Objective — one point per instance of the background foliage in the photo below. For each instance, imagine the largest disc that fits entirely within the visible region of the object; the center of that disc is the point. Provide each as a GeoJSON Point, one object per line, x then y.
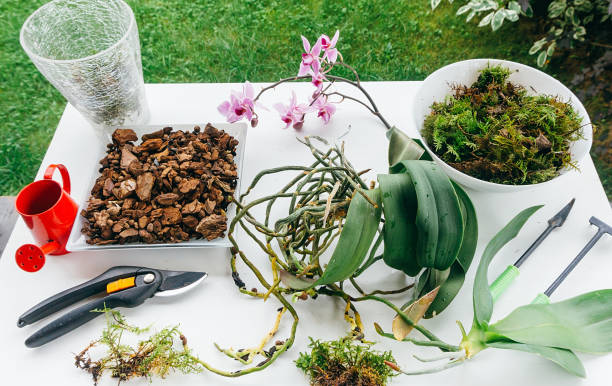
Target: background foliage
{"type": "Point", "coordinates": [212, 41]}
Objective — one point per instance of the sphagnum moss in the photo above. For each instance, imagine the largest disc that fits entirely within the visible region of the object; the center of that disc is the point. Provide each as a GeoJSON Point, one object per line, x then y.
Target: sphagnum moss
{"type": "Point", "coordinates": [344, 362]}
{"type": "Point", "coordinates": [494, 131]}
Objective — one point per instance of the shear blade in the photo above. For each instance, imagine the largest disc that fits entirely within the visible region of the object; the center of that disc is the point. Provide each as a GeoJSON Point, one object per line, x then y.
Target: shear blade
{"type": "Point", "coordinates": [178, 282]}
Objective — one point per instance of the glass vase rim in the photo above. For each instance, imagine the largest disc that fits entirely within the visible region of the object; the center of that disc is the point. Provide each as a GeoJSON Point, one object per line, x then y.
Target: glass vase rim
{"type": "Point", "coordinates": [33, 55]}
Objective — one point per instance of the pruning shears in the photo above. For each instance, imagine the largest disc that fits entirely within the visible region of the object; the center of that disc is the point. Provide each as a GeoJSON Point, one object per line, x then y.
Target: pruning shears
{"type": "Point", "coordinates": [124, 286]}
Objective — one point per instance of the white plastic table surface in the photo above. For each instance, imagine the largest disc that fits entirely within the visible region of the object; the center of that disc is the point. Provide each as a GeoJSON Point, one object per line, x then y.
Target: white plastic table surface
{"type": "Point", "coordinates": [216, 312]}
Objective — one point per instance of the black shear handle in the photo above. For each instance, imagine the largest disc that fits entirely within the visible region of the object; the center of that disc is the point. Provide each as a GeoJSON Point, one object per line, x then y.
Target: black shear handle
{"type": "Point", "coordinates": [74, 294]}
{"type": "Point", "coordinates": [129, 298]}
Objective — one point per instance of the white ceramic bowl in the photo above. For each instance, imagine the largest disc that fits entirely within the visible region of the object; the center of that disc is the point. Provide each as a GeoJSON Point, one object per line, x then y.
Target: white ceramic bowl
{"type": "Point", "coordinates": [438, 85]}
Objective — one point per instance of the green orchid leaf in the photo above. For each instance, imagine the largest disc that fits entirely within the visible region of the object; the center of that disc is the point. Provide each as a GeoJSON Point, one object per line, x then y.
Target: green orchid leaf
{"type": "Point", "coordinates": [448, 289]}
{"type": "Point", "coordinates": [400, 232]}
{"type": "Point", "coordinates": [426, 156]}
{"type": "Point", "coordinates": [470, 232]}
{"type": "Point", "coordinates": [422, 281]}
{"type": "Point", "coordinates": [438, 220]}
{"type": "Point", "coordinates": [482, 298]}
{"type": "Point", "coordinates": [402, 147]}
{"type": "Point", "coordinates": [582, 323]}
{"type": "Point", "coordinates": [354, 242]}
{"type": "Point", "coordinates": [564, 358]}
{"type": "Point", "coordinates": [453, 283]}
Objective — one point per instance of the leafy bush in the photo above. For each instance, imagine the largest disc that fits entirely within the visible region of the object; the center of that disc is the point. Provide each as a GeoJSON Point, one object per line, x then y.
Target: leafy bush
{"type": "Point", "coordinates": [567, 21]}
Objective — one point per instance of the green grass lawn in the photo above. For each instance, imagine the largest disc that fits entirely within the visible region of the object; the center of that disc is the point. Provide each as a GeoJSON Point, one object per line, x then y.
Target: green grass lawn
{"type": "Point", "coordinates": [230, 41]}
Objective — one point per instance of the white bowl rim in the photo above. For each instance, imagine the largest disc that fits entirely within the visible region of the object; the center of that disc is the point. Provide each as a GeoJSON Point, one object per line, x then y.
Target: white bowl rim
{"type": "Point", "coordinates": [493, 185]}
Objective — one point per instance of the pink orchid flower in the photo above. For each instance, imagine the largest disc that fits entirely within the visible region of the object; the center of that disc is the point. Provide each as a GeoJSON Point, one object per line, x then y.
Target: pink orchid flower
{"type": "Point", "coordinates": [240, 105]}
{"type": "Point", "coordinates": [292, 113]}
{"type": "Point", "coordinates": [324, 107]}
{"type": "Point", "coordinates": [310, 58]}
{"type": "Point", "coordinates": [329, 46]}
{"type": "Point", "coordinates": [317, 81]}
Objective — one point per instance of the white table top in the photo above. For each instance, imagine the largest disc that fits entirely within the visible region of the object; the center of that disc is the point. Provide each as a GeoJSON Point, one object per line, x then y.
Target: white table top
{"type": "Point", "coordinates": [216, 312]}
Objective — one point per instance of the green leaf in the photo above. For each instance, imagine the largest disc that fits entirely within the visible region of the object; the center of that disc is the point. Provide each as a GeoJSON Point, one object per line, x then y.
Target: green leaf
{"type": "Point", "coordinates": [438, 217]}
{"type": "Point", "coordinates": [449, 288]}
{"type": "Point", "coordinates": [470, 233]}
{"type": "Point", "coordinates": [399, 204]}
{"type": "Point", "coordinates": [498, 19]}
{"type": "Point", "coordinates": [426, 156]}
{"type": "Point", "coordinates": [470, 16]}
{"type": "Point", "coordinates": [482, 298]}
{"type": "Point", "coordinates": [402, 147]}
{"type": "Point", "coordinates": [541, 59]}
{"type": "Point", "coordinates": [582, 323]}
{"type": "Point", "coordinates": [564, 358]}
{"type": "Point", "coordinates": [556, 8]}
{"type": "Point", "coordinates": [537, 46]}
{"type": "Point", "coordinates": [551, 49]}
{"type": "Point", "coordinates": [486, 20]}
{"type": "Point", "coordinates": [511, 15]}
{"type": "Point", "coordinates": [456, 277]}
{"type": "Point", "coordinates": [354, 242]}
{"type": "Point", "coordinates": [514, 6]}
{"type": "Point", "coordinates": [579, 33]}
{"type": "Point", "coordinates": [463, 9]}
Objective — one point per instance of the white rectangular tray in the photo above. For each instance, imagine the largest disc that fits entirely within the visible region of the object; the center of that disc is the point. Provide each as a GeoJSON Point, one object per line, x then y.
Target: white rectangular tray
{"type": "Point", "coordinates": [77, 240]}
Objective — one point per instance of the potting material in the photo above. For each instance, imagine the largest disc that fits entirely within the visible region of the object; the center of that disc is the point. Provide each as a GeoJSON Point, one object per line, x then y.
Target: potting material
{"type": "Point", "coordinates": [173, 186]}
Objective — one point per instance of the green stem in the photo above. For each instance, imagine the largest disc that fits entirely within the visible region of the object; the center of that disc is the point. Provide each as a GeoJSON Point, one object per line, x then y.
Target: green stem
{"type": "Point", "coordinates": [417, 342]}
{"type": "Point", "coordinates": [428, 334]}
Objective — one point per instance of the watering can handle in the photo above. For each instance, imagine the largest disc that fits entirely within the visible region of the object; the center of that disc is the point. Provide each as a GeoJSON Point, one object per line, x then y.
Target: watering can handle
{"type": "Point", "coordinates": [65, 176]}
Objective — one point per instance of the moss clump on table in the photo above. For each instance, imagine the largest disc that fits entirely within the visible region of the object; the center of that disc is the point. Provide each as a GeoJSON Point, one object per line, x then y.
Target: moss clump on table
{"type": "Point", "coordinates": [494, 131]}
{"type": "Point", "coordinates": [345, 362]}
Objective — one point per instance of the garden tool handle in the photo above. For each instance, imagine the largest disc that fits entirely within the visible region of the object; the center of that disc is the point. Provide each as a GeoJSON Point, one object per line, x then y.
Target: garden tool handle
{"type": "Point", "coordinates": [503, 281]}
{"type": "Point", "coordinates": [131, 297]}
{"type": "Point", "coordinates": [541, 299]}
{"type": "Point", "coordinates": [74, 294]}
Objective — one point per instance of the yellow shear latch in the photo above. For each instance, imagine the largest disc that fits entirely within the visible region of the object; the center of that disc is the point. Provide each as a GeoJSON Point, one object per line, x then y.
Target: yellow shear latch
{"type": "Point", "coordinates": [120, 284]}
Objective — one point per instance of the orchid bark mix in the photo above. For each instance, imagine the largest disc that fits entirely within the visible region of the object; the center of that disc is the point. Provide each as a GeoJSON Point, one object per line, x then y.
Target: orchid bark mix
{"type": "Point", "coordinates": [317, 62]}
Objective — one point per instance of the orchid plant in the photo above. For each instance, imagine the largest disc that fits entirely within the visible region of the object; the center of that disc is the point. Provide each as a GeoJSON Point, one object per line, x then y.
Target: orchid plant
{"type": "Point", "coordinates": [317, 62]}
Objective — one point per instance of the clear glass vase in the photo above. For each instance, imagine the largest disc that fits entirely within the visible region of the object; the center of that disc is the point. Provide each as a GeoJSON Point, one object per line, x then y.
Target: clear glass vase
{"type": "Point", "coordinates": [89, 50]}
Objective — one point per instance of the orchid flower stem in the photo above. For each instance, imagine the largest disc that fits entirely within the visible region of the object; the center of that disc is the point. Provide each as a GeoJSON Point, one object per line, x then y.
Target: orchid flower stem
{"type": "Point", "coordinates": [343, 96]}
{"type": "Point", "coordinates": [434, 369]}
{"type": "Point", "coordinates": [367, 95]}
{"type": "Point", "coordinates": [373, 109]}
{"type": "Point", "coordinates": [341, 63]}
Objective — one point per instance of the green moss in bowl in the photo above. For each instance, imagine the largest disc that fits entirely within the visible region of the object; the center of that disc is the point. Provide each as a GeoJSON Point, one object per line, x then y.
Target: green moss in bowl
{"type": "Point", "coordinates": [494, 131]}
